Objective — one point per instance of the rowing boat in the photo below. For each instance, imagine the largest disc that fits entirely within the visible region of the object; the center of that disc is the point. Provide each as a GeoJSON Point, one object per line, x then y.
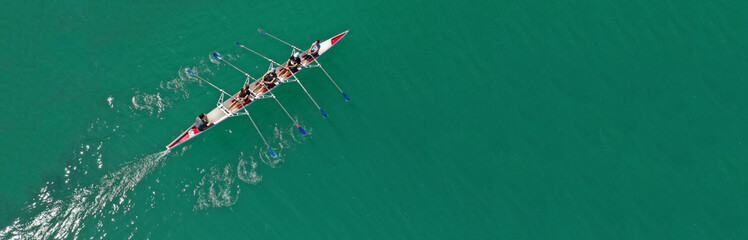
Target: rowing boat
{"type": "Point", "coordinates": [224, 108]}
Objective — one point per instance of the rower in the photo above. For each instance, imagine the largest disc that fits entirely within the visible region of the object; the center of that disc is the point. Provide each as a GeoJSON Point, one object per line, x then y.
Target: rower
{"type": "Point", "coordinates": [312, 53]}
{"type": "Point", "coordinates": [202, 122]}
{"type": "Point", "coordinates": [293, 63]}
{"type": "Point", "coordinates": [306, 58]}
{"type": "Point", "coordinates": [268, 80]}
{"type": "Point", "coordinates": [314, 50]}
{"type": "Point", "coordinates": [243, 96]}
{"type": "Point", "coordinates": [290, 66]}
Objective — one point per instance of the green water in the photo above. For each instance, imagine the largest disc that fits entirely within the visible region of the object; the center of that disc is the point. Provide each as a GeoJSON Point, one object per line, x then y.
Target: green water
{"type": "Point", "coordinates": [469, 120]}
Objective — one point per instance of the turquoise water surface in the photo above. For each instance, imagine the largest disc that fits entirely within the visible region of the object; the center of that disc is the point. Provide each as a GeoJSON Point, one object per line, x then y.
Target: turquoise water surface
{"type": "Point", "coordinates": [469, 120]}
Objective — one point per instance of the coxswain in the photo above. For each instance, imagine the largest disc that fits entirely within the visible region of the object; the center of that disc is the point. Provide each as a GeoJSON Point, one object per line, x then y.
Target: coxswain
{"type": "Point", "coordinates": [202, 122]}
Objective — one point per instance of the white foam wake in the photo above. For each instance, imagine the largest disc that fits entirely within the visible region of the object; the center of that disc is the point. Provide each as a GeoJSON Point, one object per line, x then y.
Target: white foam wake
{"type": "Point", "coordinates": [63, 217]}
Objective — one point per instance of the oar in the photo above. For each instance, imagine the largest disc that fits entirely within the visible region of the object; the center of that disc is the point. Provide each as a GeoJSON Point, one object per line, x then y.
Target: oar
{"type": "Point", "coordinates": [301, 130]}
{"type": "Point", "coordinates": [345, 96]}
{"type": "Point", "coordinates": [272, 153]}
{"type": "Point", "coordinates": [215, 55]}
{"type": "Point", "coordinates": [324, 115]}
{"type": "Point", "coordinates": [203, 79]}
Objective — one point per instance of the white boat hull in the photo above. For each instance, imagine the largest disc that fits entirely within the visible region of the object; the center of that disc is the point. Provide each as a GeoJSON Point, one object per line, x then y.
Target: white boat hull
{"type": "Point", "coordinates": [223, 110]}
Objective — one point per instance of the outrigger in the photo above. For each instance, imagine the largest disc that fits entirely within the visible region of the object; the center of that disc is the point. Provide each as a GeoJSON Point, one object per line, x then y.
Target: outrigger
{"type": "Point", "coordinates": [261, 88]}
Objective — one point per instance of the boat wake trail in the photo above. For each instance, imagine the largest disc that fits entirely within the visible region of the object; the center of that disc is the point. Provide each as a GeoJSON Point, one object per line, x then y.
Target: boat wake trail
{"type": "Point", "coordinates": [64, 218]}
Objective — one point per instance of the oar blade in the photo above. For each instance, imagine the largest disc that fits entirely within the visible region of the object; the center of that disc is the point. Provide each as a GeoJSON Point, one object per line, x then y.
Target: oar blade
{"type": "Point", "coordinates": [191, 72]}
{"type": "Point", "coordinates": [324, 114]}
{"type": "Point", "coordinates": [272, 153]}
{"type": "Point", "coordinates": [238, 44]}
{"type": "Point", "coordinates": [261, 31]}
{"type": "Point", "coordinates": [301, 130]}
{"type": "Point", "coordinates": [347, 99]}
{"type": "Point", "coordinates": [215, 55]}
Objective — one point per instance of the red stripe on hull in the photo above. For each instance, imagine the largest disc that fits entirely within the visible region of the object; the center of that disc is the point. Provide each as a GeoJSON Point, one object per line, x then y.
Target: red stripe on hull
{"type": "Point", "coordinates": [337, 38]}
{"type": "Point", "coordinates": [185, 136]}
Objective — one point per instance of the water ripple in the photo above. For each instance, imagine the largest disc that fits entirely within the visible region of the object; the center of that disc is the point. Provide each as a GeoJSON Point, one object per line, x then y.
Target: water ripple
{"type": "Point", "coordinates": [248, 176]}
{"type": "Point", "coordinates": [217, 189]}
